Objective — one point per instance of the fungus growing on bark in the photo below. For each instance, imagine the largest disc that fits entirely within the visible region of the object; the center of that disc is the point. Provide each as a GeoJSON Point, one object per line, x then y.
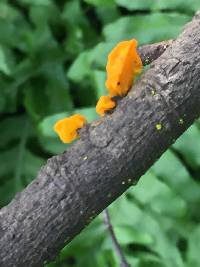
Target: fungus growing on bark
{"type": "Point", "coordinates": [123, 65]}
{"type": "Point", "coordinates": [67, 128]}
{"type": "Point", "coordinates": [104, 104]}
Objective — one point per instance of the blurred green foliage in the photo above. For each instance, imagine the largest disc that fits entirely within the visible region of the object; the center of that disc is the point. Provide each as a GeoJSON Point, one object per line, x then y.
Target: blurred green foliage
{"type": "Point", "coordinates": [52, 64]}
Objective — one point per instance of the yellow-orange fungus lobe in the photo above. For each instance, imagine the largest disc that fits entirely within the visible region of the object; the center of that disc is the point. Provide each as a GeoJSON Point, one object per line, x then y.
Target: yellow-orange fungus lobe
{"type": "Point", "coordinates": [104, 104]}
{"type": "Point", "coordinates": [67, 128]}
{"type": "Point", "coordinates": [123, 65]}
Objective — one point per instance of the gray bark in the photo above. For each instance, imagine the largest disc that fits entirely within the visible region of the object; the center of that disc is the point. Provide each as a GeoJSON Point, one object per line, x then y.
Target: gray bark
{"type": "Point", "coordinates": [150, 52]}
{"type": "Point", "coordinates": [111, 155]}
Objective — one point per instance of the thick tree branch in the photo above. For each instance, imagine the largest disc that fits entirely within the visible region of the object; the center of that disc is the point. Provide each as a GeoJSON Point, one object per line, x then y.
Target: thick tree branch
{"type": "Point", "coordinates": [111, 154]}
{"type": "Point", "coordinates": [151, 52]}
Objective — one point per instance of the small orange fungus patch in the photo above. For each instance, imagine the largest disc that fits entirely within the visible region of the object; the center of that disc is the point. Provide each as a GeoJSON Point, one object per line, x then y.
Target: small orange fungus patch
{"type": "Point", "coordinates": [104, 104]}
{"type": "Point", "coordinates": [67, 128]}
{"type": "Point", "coordinates": [123, 65]}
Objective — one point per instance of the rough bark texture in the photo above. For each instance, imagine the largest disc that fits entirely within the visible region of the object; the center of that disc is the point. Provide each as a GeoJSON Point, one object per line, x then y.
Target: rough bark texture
{"type": "Point", "coordinates": [111, 154]}
{"type": "Point", "coordinates": [151, 52]}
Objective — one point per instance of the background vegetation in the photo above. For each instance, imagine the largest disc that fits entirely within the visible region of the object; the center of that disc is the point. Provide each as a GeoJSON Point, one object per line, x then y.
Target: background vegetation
{"type": "Point", "coordinates": [52, 63]}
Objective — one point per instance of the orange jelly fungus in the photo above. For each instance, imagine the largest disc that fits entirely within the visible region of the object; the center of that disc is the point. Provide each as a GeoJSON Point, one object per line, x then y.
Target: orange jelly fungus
{"type": "Point", "coordinates": [67, 128]}
{"type": "Point", "coordinates": [123, 65]}
{"type": "Point", "coordinates": [104, 104]}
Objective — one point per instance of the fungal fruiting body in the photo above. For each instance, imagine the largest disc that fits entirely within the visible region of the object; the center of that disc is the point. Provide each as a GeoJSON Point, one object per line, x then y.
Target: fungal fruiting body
{"type": "Point", "coordinates": [123, 65]}
{"type": "Point", "coordinates": [104, 104]}
{"type": "Point", "coordinates": [67, 128]}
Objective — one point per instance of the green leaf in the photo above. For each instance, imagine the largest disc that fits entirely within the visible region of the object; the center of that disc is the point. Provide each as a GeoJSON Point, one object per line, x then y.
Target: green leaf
{"type": "Point", "coordinates": [2, 100]}
{"type": "Point", "coordinates": [136, 4]}
{"type": "Point", "coordinates": [8, 162]}
{"type": "Point", "coordinates": [35, 99]}
{"type": "Point", "coordinates": [89, 113]}
{"type": "Point", "coordinates": [159, 196]}
{"type": "Point", "coordinates": [19, 166]}
{"type": "Point", "coordinates": [193, 259]}
{"type": "Point", "coordinates": [79, 38]}
{"type": "Point", "coordinates": [37, 2]}
{"type": "Point", "coordinates": [150, 261]}
{"type": "Point", "coordinates": [13, 26]}
{"type": "Point", "coordinates": [42, 14]}
{"type": "Point", "coordinates": [107, 14]}
{"type": "Point", "coordinates": [127, 235]}
{"type": "Point", "coordinates": [82, 244]}
{"type": "Point", "coordinates": [100, 2]}
{"type": "Point", "coordinates": [174, 174]}
{"type": "Point", "coordinates": [99, 54]}
{"type": "Point", "coordinates": [81, 73]}
{"type": "Point", "coordinates": [57, 89]}
{"type": "Point", "coordinates": [146, 29]}
{"type": "Point", "coordinates": [7, 191]}
{"type": "Point", "coordinates": [52, 145]}
{"type": "Point", "coordinates": [6, 62]}
{"type": "Point", "coordinates": [87, 62]}
{"type": "Point", "coordinates": [81, 68]}
{"type": "Point", "coordinates": [31, 165]}
{"type": "Point", "coordinates": [179, 5]}
{"type": "Point", "coordinates": [11, 130]}
{"type": "Point", "coordinates": [188, 145]}
{"type": "Point", "coordinates": [99, 83]}
{"type": "Point", "coordinates": [48, 93]}
{"type": "Point", "coordinates": [126, 212]}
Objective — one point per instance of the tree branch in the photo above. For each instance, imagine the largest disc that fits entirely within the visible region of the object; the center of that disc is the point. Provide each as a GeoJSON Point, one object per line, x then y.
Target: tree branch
{"type": "Point", "coordinates": [118, 250]}
{"type": "Point", "coordinates": [151, 52]}
{"type": "Point", "coordinates": [112, 153]}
